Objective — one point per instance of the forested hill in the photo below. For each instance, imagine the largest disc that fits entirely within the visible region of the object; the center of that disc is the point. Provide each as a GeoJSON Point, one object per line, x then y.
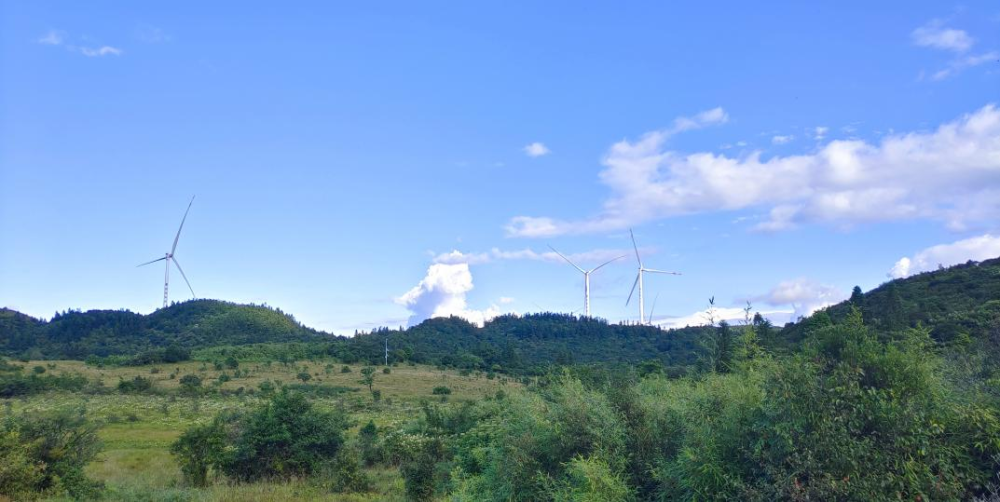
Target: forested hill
{"type": "Point", "coordinates": [189, 325]}
{"type": "Point", "coordinates": [955, 302]}
{"type": "Point", "coordinates": [526, 343]}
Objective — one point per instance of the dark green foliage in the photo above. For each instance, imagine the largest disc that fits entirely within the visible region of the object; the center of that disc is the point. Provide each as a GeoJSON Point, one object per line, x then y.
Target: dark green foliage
{"type": "Point", "coordinates": [368, 444]}
{"type": "Point", "coordinates": [441, 390]}
{"type": "Point", "coordinates": [46, 453]}
{"type": "Point", "coordinates": [421, 474]}
{"type": "Point", "coordinates": [368, 378]}
{"type": "Point", "coordinates": [137, 385]}
{"type": "Point", "coordinates": [345, 473]}
{"type": "Point", "coordinates": [232, 363]}
{"type": "Point", "coordinates": [190, 384]}
{"type": "Point", "coordinates": [283, 438]}
{"type": "Point", "coordinates": [304, 376]}
{"type": "Point", "coordinates": [386, 371]}
{"type": "Point", "coordinates": [345, 369]}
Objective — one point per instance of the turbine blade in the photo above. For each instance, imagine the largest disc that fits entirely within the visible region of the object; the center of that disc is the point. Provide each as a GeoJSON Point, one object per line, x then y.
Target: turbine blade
{"type": "Point", "coordinates": [567, 260]}
{"type": "Point", "coordinates": [633, 289]}
{"type": "Point", "coordinates": [607, 262]}
{"type": "Point", "coordinates": [178, 265]}
{"type": "Point", "coordinates": [653, 270]}
{"type": "Point", "coordinates": [634, 246]}
{"type": "Point", "coordinates": [153, 261]}
{"type": "Point", "coordinates": [182, 226]}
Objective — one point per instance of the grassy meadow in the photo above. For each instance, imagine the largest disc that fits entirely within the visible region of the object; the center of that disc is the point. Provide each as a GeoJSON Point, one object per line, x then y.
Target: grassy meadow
{"type": "Point", "coordinates": [138, 429]}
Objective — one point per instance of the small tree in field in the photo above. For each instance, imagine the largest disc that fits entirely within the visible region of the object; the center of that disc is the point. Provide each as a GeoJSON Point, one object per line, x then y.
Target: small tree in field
{"type": "Point", "coordinates": [368, 378]}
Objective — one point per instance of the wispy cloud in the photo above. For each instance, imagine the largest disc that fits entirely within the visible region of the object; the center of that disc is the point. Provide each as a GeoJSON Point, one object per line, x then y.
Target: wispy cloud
{"type": "Point", "coordinates": [781, 140]}
{"type": "Point", "coordinates": [58, 38]}
{"type": "Point", "coordinates": [951, 174]}
{"type": "Point", "coordinates": [965, 62]}
{"type": "Point", "coordinates": [53, 37]}
{"type": "Point", "coordinates": [536, 149]}
{"type": "Point", "coordinates": [935, 35]}
{"type": "Point", "coordinates": [104, 50]}
{"type": "Point", "coordinates": [582, 258]}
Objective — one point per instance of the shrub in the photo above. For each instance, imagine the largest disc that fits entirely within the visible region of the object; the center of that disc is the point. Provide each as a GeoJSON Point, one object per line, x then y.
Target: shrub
{"type": "Point", "coordinates": [47, 453]}
{"type": "Point", "coordinates": [304, 376]}
{"type": "Point", "coordinates": [345, 473]}
{"type": "Point", "coordinates": [386, 370]}
{"type": "Point", "coordinates": [283, 438]}
{"type": "Point", "coordinates": [137, 385]}
{"type": "Point", "coordinates": [345, 369]}
{"type": "Point", "coordinates": [190, 384]}
{"type": "Point", "coordinates": [38, 370]}
{"type": "Point", "coordinates": [232, 363]}
{"type": "Point", "coordinates": [441, 390]}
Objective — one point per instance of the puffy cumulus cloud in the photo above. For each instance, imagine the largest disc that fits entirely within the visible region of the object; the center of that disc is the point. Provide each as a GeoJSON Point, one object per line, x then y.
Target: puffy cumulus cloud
{"type": "Point", "coordinates": [979, 248]}
{"type": "Point", "coordinates": [935, 35]}
{"type": "Point", "coordinates": [950, 174]}
{"type": "Point", "coordinates": [496, 254]}
{"type": "Point", "coordinates": [536, 149]}
{"type": "Point", "coordinates": [442, 293]}
{"type": "Point", "coordinates": [803, 295]}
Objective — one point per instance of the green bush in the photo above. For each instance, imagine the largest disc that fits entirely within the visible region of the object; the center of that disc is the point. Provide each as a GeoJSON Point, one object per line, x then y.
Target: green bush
{"type": "Point", "coordinates": [46, 454]}
{"type": "Point", "coordinates": [137, 385]}
{"type": "Point", "coordinates": [281, 439]}
{"type": "Point", "coordinates": [441, 390]}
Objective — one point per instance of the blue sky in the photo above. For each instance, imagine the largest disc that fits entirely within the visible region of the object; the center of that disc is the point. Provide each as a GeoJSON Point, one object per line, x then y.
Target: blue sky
{"type": "Point", "coordinates": [357, 165]}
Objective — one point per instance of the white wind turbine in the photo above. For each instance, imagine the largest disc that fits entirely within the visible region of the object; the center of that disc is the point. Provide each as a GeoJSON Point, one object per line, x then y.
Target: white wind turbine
{"type": "Point", "coordinates": [638, 280]}
{"type": "Point", "coordinates": [586, 277]}
{"type": "Point", "coordinates": [169, 257]}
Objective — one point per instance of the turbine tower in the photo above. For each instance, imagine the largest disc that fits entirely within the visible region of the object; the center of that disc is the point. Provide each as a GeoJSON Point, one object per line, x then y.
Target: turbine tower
{"type": "Point", "coordinates": [169, 257]}
{"type": "Point", "coordinates": [638, 280]}
{"type": "Point", "coordinates": [586, 277]}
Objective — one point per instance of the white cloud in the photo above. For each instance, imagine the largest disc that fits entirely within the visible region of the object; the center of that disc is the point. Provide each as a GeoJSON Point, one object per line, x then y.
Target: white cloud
{"type": "Point", "coordinates": [536, 149]}
{"type": "Point", "coordinates": [506, 300]}
{"type": "Point", "coordinates": [53, 37]}
{"type": "Point", "coordinates": [442, 293]}
{"type": "Point", "coordinates": [732, 315]}
{"type": "Point", "coordinates": [105, 50]}
{"type": "Point", "coordinates": [964, 62]}
{"type": "Point", "coordinates": [979, 248]}
{"type": "Point", "coordinates": [803, 295]}
{"type": "Point", "coordinates": [951, 174]}
{"type": "Point", "coordinates": [821, 132]}
{"type": "Point", "coordinates": [496, 254]}
{"type": "Point", "coordinates": [936, 36]}
{"type": "Point", "coordinates": [781, 140]}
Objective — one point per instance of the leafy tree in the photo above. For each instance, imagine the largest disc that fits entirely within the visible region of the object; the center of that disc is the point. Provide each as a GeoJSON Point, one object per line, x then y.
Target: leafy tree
{"type": "Point", "coordinates": [283, 438]}
{"type": "Point", "coordinates": [368, 377]}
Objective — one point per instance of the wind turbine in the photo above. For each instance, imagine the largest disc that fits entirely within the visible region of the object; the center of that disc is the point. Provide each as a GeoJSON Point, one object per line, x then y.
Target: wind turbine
{"type": "Point", "coordinates": [169, 257]}
{"type": "Point", "coordinates": [638, 280]}
{"type": "Point", "coordinates": [586, 277]}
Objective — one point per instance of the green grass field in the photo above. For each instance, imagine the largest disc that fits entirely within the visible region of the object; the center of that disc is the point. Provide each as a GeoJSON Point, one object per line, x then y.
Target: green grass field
{"type": "Point", "coordinates": [136, 464]}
